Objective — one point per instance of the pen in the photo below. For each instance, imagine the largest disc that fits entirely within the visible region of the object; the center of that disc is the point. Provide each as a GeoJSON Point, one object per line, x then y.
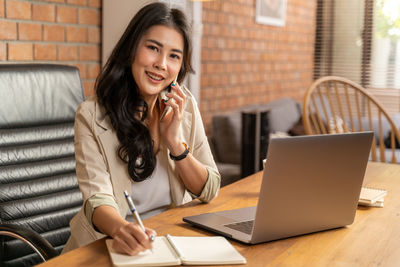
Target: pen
{"type": "Point", "coordinates": [135, 213]}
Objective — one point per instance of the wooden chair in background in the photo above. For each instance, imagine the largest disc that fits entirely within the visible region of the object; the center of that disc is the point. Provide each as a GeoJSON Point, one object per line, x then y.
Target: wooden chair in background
{"type": "Point", "coordinates": [337, 105]}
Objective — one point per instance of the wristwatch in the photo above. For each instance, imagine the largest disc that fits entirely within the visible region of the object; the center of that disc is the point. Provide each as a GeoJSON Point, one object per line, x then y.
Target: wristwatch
{"type": "Point", "coordinates": [181, 156]}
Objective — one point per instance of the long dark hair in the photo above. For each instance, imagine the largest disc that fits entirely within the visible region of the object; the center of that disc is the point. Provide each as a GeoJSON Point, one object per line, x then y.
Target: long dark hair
{"type": "Point", "coordinates": [118, 92]}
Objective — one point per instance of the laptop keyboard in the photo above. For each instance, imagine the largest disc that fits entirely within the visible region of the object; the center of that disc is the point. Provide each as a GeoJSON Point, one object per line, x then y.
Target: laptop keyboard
{"type": "Point", "coordinates": [244, 227]}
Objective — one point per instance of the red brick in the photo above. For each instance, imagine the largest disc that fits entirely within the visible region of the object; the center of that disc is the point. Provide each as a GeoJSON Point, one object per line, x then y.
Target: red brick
{"type": "Point", "coordinates": [55, 1]}
{"type": "Point", "coordinates": [43, 12]}
{"type": "Point", "coordinates": [77, 2]}
{"type": "Point", "coordinates": [243, 51]}
{"type": "Point", "coordinates": [1, 8]}
{"type": "Point", "coordinates": [67, 14]}
{"type": "Point", "coordinates": [8, 30]}
{"type": "Point", "coordinates": [89, 53]}
{"type": "Point", "coordinates": [51, 1]}
{"type": "Point", "coordinates": [53, 33]}
{"type": "Point", "coordinates": [82, 69]}
{"type": "Point", "coordinates": [76, 34]}
{"type": "Point", "coordinates": [94, 35]}
{"type": "Point", "coordinates": [89, 16]}
{"type": "Point", "coordinates": [20, 51]}
{"type": "Point", "coordinates": [18, 9]}
{"type": "Point", "coordinates": [29, 31]}
{"type": "Point", "coordinates": [88, 87]}
{"type": "Point", "coordinates": [94, 3]}
{"type": "Point", "coordinates": [67, 53]}
{"type": "Point", "coordinates": [3, 51]}
{"type": "Point", "coordinates": [45, 52]}
{"type": "Point", "coordinates": [93, 70]}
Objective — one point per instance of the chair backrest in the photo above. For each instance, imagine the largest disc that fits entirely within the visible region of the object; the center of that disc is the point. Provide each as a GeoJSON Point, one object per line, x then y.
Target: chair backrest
{"type": "Point", "coordinates": [38, 184]}
{"type": "Point", "coordinates": [337, 105]}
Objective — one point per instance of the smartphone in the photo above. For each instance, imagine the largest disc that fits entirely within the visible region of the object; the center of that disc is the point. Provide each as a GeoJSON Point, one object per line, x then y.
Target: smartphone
{"type": "Point", "coordinates": [164, 97]}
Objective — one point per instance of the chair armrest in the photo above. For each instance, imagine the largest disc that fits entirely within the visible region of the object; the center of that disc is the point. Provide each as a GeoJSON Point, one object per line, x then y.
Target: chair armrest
{"type": "Point", "coordinates": [40, 245]}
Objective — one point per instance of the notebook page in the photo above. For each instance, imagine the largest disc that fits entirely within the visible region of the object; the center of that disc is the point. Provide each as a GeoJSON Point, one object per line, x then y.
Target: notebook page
{"type": "Point", "coordinates": [162, 255]}
{"type": "Point", "coordinates": [207, 250]}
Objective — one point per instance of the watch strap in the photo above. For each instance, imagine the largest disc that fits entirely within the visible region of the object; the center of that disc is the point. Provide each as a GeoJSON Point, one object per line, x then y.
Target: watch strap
{"type": "Point", "coordinates": [181, 156]}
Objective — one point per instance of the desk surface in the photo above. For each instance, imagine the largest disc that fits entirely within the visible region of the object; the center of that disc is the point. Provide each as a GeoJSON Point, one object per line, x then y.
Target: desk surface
{"type": "Point", "coordinates": [372, 240]}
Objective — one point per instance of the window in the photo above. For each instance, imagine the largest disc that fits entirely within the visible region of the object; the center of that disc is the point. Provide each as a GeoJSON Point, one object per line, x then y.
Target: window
{"type": "Point", "coordinates": [359, 40]}
{"type": "Point", "coordinates": [385, 65]}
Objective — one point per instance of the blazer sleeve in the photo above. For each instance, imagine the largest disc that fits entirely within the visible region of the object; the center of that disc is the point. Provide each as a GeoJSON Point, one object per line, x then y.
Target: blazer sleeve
{"type": "Point", "coordinates": [202, 152]}
{"type": "Point", "coordinates": [91, 168]}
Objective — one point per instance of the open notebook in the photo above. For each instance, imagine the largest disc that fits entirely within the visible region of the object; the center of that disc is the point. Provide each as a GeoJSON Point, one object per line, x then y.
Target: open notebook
{"type": "Point", "coordinates": [176, 250]}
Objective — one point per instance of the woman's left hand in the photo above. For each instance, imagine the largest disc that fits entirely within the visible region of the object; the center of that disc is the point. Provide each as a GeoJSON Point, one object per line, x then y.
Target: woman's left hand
{"type": "Point", "coordinates": [169, 125]}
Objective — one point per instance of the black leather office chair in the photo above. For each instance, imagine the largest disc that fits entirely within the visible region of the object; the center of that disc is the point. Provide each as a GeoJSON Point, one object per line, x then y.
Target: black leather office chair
{"type": "Point", "coordinates": [39, 193]}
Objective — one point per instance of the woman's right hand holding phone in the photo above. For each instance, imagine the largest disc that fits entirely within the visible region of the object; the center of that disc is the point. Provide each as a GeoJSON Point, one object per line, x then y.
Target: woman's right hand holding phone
{"type": "Point", "coordinates": [169, 125]}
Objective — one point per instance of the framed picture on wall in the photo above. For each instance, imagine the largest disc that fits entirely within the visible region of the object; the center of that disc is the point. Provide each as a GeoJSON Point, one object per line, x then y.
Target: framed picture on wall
{"type": "Point", "coordinates": [271, 12]}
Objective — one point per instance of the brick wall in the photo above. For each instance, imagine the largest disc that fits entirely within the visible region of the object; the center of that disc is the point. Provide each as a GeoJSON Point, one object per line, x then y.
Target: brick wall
{"type": "Point", "coordinates": [245, 63]}
{"type": "Point", "coordinates": [53, 31]}
{"type": "Point", "coordinates": [242, 62]}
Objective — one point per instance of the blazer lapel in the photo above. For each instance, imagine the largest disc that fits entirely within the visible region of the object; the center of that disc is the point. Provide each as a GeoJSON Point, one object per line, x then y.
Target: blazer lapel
{"type": "Point", "coordinates": [109, 145]}
{"type": "Point", "coordinates": [120, 178]}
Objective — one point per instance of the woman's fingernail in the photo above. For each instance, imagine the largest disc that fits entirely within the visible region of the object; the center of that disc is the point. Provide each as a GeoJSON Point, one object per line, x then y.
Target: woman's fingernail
{"type": "Point", "coordinates": [165, 100]}
{"type": "Point", "coordinates": [172, 84]}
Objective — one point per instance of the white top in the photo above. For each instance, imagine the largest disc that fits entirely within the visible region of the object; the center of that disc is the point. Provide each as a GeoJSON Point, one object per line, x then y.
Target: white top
{"type": "Point", "coordinates": [153, 195]}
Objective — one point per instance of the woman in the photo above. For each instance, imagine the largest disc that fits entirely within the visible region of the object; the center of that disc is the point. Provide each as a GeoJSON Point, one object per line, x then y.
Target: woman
{"type": "Point", "coordinates": [122, 141]}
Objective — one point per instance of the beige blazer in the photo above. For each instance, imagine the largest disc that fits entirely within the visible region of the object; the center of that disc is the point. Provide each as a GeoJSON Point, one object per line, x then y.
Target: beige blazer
{"type": "Point", "coordinates": [100, 170]}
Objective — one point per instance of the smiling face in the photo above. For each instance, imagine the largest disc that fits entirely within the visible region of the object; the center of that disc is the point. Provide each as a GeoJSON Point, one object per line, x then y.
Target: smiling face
{"type": "Point", "coordinates": [158, 60]}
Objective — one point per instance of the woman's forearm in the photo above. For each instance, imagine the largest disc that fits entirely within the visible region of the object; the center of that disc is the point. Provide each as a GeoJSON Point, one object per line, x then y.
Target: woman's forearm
{"type": "Point", "coordinates": [107, 220]}
{"type": "Point", "coordinates": [193, 173]}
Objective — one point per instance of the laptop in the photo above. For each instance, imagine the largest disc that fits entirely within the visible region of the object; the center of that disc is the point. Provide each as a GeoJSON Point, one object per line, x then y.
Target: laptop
{"type": "Point", "coordinates": [310, 184]}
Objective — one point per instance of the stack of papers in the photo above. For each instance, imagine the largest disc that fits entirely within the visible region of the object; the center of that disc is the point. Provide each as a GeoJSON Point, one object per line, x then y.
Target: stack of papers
{"type": "Point", "coordinates": [372, 197]}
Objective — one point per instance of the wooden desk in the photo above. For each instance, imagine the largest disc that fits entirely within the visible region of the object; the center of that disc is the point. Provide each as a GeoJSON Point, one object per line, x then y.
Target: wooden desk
{"type": "Point", "coordinates": [372, 240]}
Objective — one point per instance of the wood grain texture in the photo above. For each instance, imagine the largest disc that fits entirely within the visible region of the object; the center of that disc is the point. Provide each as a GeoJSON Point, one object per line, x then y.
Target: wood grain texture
{"type": "Point", "coordinates": [372, 240]}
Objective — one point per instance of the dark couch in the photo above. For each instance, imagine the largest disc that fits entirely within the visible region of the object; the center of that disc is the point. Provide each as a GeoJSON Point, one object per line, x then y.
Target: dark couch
{"type": "Point", "coordinates": [226, 137]}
